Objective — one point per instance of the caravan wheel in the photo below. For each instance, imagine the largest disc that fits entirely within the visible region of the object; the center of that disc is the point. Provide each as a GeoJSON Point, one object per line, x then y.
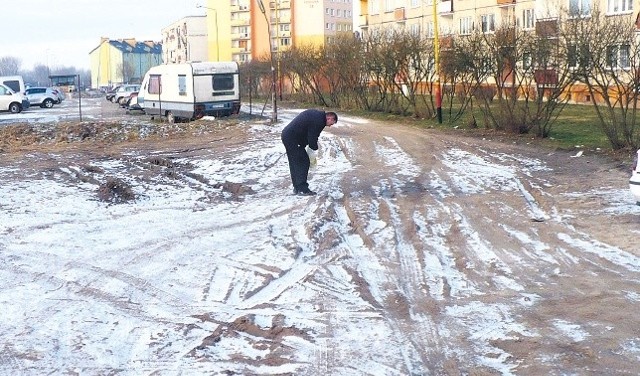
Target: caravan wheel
{"type": "Point", "coordinates": [170, 118]}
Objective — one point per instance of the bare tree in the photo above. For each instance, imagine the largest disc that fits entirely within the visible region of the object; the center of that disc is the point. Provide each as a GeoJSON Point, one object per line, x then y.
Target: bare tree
{"type": "Point", "coordinates": [9, 66]}
{"type": "Point", "coordinates": [605, 55]}
{"type": "Point", "coordinates": [463, 71]}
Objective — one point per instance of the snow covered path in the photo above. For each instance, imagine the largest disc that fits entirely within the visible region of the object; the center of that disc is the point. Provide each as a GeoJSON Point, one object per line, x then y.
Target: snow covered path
{"type": "Point", "coordinates": [422, 255]}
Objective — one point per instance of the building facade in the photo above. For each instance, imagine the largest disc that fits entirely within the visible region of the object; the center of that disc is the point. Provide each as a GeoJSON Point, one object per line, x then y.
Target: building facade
{"type": "Point", "coordinates": [242, 30]}
{"type": "Point", "coordinates": [185, 40]}
{"type": "Point", "coordinates": [120, 61]}
{"type": "Point", "coordinates": [542, 17]}
{"type": "Point", "coordinates": [462, 17]}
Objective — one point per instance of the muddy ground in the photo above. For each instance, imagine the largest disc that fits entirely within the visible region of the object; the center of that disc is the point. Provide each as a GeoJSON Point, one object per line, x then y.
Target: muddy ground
{"type": "Point", "coordinates": [428, 253]}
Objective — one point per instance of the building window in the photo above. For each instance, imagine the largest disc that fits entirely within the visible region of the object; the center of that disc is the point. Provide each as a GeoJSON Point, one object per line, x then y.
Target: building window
{"type": "Point", "coordinates": [528, 19]}
{"type": "Point", "coordinates": [578, 56]}
{"type": "Point", "coordinates": [415, 3]}
{"type": "Point", "coordinates": [429, 31]}
{"type": "Point", "coordinates": [488, 23]}
{"type": "Point", "coordinates": [618, 57]}
{"type": "Point", "coordinates": [579, 8]}
{"type": "Point", "coordinates": [619, 6]}
{"type": "Point", "coordinates": [466, 25]}
{"type": "Point", "coordinates": [374, 7]}
{"type": "Point", "coordinates": [388, 5]}
{"type": "Point", "coordinates": [415, 29]}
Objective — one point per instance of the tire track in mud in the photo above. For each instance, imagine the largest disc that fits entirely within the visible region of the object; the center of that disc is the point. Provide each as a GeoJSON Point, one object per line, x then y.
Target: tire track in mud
{"type": "Point", "coordinates": [469, 242]}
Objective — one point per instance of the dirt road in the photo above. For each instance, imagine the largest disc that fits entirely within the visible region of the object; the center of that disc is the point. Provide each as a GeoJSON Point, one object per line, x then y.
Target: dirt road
{"type": "Point", "coordinates": [424, 254]}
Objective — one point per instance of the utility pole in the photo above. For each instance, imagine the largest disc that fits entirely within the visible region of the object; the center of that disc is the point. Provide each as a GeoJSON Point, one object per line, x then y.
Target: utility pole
{"type": "Point", "coordinates": [274, 112]}
{"type": "Point", "coordinates": [436, 46]}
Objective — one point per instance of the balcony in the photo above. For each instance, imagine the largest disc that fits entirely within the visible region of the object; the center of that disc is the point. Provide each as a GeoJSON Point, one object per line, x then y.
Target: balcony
{"type": "Point", "coordinates": [546, 78]}
{"type": "Point", "coordinates": [445, 8]}
{"type": "Point", "coordinates": [280, 4]}
{"type": "Point", "coordinates": [547, 28]}
{"type": "Point", "coordinates": [240, 22]}
{"type": "Point", "coordinates": [506, 3]}
{"type": "Point", "coordinates": [399, 15]}
{"type": "Point", "coordinates": [446, 42]}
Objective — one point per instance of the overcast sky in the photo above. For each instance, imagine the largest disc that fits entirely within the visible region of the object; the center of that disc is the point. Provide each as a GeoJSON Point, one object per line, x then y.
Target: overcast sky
{"type": "Point", "coordinates": [63, 32]}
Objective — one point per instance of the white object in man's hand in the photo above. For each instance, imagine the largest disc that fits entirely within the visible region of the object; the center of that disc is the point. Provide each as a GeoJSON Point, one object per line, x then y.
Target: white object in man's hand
{"type": "Point", "coordinates": [313, 156]}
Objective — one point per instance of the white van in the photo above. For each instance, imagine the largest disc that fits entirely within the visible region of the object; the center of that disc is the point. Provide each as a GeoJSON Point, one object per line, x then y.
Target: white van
{"type": "Point", "coordinates": [16, 83]}
{"type": "Point", "coordinates": [12, 101]}
{"type": "Point", "coordinates": [191, 90]}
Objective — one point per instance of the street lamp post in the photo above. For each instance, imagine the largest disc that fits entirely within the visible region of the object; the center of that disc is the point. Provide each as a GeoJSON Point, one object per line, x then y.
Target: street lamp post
{"type": "Point", "coordinates": [215, 21]}
{"type": "Point", "coordinates": [274, 112]}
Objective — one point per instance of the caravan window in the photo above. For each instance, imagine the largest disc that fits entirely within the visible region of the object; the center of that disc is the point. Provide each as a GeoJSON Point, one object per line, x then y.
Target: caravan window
{"type": "Point", "coordinates": [155, 84]}
{"type": "Point", "coordinates": [222, 82]}
{"type": "Point", "coordinates": [182, 84]}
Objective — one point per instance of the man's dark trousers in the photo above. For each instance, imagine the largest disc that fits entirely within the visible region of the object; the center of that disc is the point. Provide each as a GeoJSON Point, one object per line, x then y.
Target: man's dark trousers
{"type": "Point", "coordinates": [298, 165]}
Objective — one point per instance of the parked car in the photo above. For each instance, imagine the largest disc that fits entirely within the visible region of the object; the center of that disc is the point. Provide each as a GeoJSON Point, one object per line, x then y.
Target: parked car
{"type": "Point", "coordinates": [634, 181]}
{"type": "Point", "coordinates": [12, 101]}
{"type": "Point", "coordinates": [15, 83]}
{"type": "Point", "coordinates": [61, 95]}
{"type": "Point", "coordinates": [132, 103]}
{"type": "Point", "coordinates": [42, 96]}
{"type": "Point", "coordinates": [110, 93]}
{"type": "Point", "coordinates": [122, 94]}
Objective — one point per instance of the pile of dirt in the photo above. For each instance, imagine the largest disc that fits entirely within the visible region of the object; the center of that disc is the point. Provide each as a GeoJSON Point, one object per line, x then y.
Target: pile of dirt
{"type": "Point", "coordinates": [20, 136]}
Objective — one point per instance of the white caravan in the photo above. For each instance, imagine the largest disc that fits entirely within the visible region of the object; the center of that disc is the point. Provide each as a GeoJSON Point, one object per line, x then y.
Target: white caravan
{"type": "Point", "coordinates": [191, 90]}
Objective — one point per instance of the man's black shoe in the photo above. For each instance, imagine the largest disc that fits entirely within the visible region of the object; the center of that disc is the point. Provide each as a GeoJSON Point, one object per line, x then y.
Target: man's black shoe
{"type": "Point", "coordinates": [295, 191]}
{"type": "Point", "coordinates": [306, 192]}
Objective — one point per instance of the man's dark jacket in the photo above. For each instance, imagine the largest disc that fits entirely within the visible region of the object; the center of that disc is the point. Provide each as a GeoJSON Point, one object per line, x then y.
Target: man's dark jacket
{"type": "Point", "coordinates": [305, 129]}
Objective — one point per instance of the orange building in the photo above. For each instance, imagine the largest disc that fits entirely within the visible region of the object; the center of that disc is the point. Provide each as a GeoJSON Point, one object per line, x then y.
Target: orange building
{"type": "Point", "coordinates": [242, 30]}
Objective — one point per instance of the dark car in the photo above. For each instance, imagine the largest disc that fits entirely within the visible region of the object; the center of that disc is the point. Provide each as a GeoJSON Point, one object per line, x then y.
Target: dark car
{"type": "Point", "coordinates": [132, 103]}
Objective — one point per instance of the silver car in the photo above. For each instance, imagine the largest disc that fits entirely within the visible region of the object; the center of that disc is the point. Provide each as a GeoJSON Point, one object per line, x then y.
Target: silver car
{"type": "Point", "coordinates": [122, 94]}
{"type": "Point", "coordinates": [44, 97]}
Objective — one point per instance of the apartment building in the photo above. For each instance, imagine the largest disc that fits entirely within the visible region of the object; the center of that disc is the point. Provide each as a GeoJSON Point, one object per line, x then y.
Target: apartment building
{"type": "Point", "coordinates": [242, 30]}
{"type": "Point", "coordinates": [462, 17]}
{"type": "Point", "coordinates": [118, 61]}
{"type": "Point", "coordinates": [185, 40]}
